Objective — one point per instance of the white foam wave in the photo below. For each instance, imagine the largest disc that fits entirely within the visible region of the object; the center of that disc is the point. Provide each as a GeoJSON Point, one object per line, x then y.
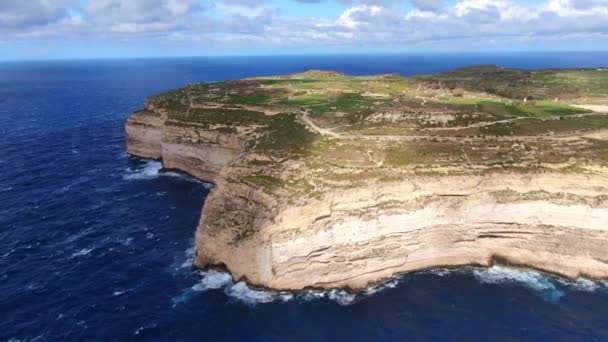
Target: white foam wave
{"type": "Point", "coordinates": [312, 295]}
{"type": "Point", "coordinates": [189, 256]}
{"type": "Point", "coordinates": [82, 252]}
{"type": "Point", "coordinates": [546, 286]}
{"type": "Point", "coordinates": [7, 253]}
{"type": "Point", "coordinates": [342, 297]}
{"type": "Point", "coordinates": [144, 327]}
{"type": "Point", "coordinates": [581, 284]}
{"type": "Point", "coordinates": [533, 280]}
{"type": "Point", "coordinates": [210, 280]}
{"type": "Point", "coordinates": [390, 284]}
{"type": "Point", "coordinates": [441, 272]}
{"type": "Point", "coordinates": [126, 241]}
{"type": "Point", "coordinates": [150, 170]}
{"type": "Point", "coordinates": [247, 295]}
{"type": "Point", "coordinates": [213, 280]}
{"type": "Point", "coordinates": [241, 292]}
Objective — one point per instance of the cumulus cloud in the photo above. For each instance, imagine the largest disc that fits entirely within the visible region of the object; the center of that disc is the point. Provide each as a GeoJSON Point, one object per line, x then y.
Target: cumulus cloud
{"type": "Point", "coordinates": [24, 14]}
{"type": "Point", "coordinates": [260, 23]}
{"type": "Point", "coordinates": [587, 4]}
{"type": "Point", "coordinates": [248, 3]}
{"type": "Point", "coordinates": [140, 12]}
{"type": "Point", "coordinates": [428, 5]}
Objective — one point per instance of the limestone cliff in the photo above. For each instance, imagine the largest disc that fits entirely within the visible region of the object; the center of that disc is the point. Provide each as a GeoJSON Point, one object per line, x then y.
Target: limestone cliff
{"type": "Point", "coordinates": [326, 180]}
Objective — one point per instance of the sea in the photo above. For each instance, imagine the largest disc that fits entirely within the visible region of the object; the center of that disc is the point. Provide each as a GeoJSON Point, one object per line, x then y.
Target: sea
{"type": "Point", "coordinates": [96, 245]}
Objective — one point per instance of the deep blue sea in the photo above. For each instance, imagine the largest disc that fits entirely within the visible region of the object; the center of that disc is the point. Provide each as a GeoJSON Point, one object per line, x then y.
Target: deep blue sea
{"type": "Point", "coordinates": [95, 245]}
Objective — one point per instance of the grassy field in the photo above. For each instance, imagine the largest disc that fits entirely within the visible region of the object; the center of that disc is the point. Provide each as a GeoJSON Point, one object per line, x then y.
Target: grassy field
{"type": "Point", "coordinates": [311, 130]}
{"type": "Point", "coordinates": [562, 84]}
{"type": "Point", "coordinates": [509, 109]}
{"type": "Point", "coordinates": [457, 104]}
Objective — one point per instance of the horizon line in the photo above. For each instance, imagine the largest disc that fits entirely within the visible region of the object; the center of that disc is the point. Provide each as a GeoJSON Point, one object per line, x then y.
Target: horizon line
{"type": "Point", "coordinates": [319, 54]}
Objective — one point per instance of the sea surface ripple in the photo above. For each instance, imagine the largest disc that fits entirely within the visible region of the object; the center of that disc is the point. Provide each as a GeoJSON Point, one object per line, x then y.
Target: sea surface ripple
{"type": "Point", "coordinates": [95, 245]}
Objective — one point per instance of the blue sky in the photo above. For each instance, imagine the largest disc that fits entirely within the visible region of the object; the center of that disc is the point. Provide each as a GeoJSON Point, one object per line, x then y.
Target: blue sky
{"type": "Point", "coordinates": [43, 29]}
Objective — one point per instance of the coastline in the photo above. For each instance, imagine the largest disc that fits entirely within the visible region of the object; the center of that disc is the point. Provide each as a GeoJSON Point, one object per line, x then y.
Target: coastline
{"type": "Point", "coordinates": [344, 217]}
{"type": "Point", "coordinates": [493, 260]}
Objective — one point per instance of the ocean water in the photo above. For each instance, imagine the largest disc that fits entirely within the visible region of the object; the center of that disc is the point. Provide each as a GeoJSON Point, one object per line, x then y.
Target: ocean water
{"type": "Point", "coordinates": [95, 245]}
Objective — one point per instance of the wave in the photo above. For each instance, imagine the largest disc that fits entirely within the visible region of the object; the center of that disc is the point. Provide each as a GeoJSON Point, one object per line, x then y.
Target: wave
{"type": "Point", "coordinates": [150, 170]}
{"type": "Point", "coordinates": [82, 252]}
{"type": "Point", "coordinates": [541, 283]}
{"type": "Point", "coordinates": [548, 287]}
{"type": "Point", "coordinates": [144, 327]}
{"type": "Point", "coordinates": [7, 253]}
{"type": "Point", "coordinates": [389, 284]}
{"type": "Point", "coordinates": [213, 280]}
{"type": "Point", "coordinates": [189, 256]}
{"type": "Point", "coordinates": [583, 285]}
{"type": "Point", "coordinates": [243, 293]}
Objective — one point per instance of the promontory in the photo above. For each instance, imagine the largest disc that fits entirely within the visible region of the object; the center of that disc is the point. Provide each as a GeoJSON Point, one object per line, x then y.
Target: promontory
{"type": "Point", "coordinates": [325, 180]}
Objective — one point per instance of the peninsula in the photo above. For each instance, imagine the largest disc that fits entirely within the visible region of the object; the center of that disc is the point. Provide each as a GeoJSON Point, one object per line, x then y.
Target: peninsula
{"type": "Point", "coordinates": [324, 180]}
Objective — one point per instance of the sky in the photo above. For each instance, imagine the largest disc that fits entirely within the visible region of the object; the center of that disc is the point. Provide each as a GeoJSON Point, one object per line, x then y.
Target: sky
{"type": "Point", "coordinates": [60, 29]}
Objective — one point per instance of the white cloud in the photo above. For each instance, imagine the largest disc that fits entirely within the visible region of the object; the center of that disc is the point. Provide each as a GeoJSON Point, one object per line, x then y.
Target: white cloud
{"type": "Point", "coordinates": [374, 22]}
{"type": "Point", "coordinates": [358, 15]}
{"type": "Point", "coordinates": [118, 12]}
{"type": "Point", "coordinates": [20, 14]}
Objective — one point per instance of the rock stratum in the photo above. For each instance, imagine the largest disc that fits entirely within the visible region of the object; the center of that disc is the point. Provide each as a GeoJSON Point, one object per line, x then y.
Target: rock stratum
{"type": "Point", "coordinates": [324, 180]}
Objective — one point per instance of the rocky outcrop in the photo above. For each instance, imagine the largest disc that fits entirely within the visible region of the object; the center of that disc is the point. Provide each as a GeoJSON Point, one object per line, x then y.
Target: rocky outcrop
{"type": "Point", "coordinates": [198, 151]}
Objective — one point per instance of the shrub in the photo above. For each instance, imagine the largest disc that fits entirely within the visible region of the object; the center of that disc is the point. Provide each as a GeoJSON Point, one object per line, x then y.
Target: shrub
{"type": "Point", "coordinates": [458, 92]}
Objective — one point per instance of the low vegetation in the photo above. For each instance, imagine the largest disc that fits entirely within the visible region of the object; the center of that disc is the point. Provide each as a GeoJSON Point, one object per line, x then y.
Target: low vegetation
{"type": "Point", "coordinates": [349, 130]}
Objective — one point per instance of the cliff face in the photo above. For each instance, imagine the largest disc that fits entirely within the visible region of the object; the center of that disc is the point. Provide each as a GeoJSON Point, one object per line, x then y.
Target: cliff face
{"type": "Point", "coordinates": [358, 237]}
{"type": "Point", "coordinates": [303, 200]}
{"type": "Point", "coordinates": [145, 132]}
{"type": "Point", "coordinates": [199, 151]}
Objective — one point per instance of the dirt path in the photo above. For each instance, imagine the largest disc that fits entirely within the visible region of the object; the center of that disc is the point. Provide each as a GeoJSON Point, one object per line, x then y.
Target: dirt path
{"type": "Point", "coordinates": [388, 137]}
{"type": "Point", "coordinates": [304, 117]}
{"type": "Point", "coordinates": [485, 124]}
{"type": "Point", "coordinates": [595, 108]}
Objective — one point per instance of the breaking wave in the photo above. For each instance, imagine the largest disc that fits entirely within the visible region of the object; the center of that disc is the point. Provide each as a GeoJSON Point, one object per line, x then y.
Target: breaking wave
{"type": "Point", "coordinates": [584, 285]}
{"type": "Point", "coordinates": [242, 293]}
{"type": "Point", "coordinates": [153, 169]}
{"type": "Point", "coordinates": [81, 252]}
{"type": "Point", "coordinates": [543, 284]}
{"type": "Point", "coordinates": [213, 280]}
{"type": "Point", "coordinates": [549, 288]}
{"type": "Point", "coordinates": [150, 170]}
